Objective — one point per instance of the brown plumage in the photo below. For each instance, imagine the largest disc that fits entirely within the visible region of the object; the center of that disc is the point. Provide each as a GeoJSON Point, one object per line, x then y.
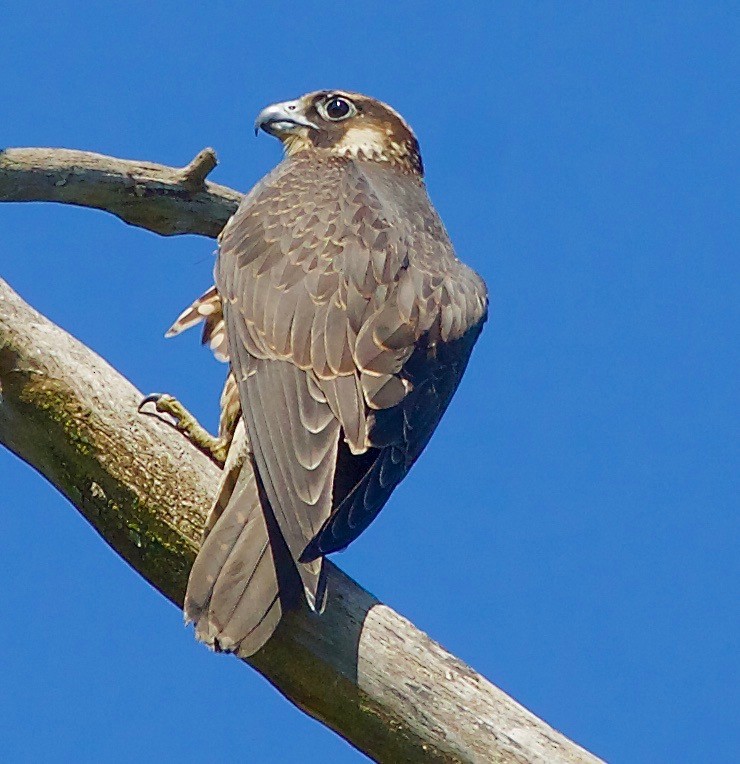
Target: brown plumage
{"type": "Point", "coordinates": [207, 308]}
{"type": "Point", "coordinates": [348, 322]}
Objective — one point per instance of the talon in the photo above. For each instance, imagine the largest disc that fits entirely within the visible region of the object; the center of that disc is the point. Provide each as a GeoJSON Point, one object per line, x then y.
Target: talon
{"type": "Point", "coordinates": [151, 398]}
{"type": "Point", "coordinates": [176, 415]}
{"type": "Point", "coordinates": [163, 404]}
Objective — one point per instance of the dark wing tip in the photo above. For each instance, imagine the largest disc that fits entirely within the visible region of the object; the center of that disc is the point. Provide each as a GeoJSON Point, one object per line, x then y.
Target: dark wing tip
{"type": "Point", "coordinates": [312, 551]}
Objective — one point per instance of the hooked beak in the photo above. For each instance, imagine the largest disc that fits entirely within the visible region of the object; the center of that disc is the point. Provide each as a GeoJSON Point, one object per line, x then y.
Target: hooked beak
{"type": "Point", "coordinates": [282, 119]}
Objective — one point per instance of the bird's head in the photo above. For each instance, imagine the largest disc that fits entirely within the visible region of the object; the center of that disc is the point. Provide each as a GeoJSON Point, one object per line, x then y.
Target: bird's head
{"type": "Point", "coordinates": [343, 124]}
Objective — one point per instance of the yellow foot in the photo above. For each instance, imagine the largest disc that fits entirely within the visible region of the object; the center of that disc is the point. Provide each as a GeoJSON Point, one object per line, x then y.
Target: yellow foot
{"type": "Point", "coordinates": [184, 422]}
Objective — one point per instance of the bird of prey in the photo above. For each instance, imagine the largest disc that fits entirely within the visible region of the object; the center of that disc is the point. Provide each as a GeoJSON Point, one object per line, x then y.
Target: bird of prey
{"type": "Point", "coordinates": [348, 322]}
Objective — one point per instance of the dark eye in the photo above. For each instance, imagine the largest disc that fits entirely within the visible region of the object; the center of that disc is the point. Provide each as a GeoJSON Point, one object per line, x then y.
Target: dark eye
{"type": "Point", "coordinates": [338, 108]}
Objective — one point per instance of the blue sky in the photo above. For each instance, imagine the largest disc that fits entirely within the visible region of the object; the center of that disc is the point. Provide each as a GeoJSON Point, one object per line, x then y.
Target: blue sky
{"type": "Point", "coordinates": [578, 538]}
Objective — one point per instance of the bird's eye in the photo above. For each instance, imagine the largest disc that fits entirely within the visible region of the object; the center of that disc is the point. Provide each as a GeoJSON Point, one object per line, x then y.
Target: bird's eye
{"type": "Point", "coordinates": [337, 108]}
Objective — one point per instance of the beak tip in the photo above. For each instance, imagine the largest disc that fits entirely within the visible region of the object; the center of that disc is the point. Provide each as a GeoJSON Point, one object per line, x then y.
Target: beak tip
{"type": "Point", "coordinates": [280, 118]}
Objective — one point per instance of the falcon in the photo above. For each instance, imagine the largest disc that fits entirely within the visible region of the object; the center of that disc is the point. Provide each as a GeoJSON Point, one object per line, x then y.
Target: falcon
{"type": "Point", "coordinates": [348, 322]}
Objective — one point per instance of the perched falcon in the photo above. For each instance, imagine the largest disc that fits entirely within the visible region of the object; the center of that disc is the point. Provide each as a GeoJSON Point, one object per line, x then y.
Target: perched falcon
{"type": "Point", "coordinates": [348, 322]}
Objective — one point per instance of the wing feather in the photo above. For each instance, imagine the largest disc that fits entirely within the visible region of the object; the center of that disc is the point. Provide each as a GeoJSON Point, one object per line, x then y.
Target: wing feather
{"type": "Point", "coordinates": [337, 337]}
{"type": "Point", "coordinates": [345, 398]}
{"type": "Point", "coordinates": [295, 464]}
{"type": "Point", "coordinates": [319, 362]}
{"type": "Point", "coordinates": [339, 283]}
{"type": "Point", "coordinates": [300, 338]}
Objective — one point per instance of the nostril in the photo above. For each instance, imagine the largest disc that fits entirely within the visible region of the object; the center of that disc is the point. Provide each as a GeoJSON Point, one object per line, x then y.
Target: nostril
{"type": "Point", "coordinates": [291, 107]}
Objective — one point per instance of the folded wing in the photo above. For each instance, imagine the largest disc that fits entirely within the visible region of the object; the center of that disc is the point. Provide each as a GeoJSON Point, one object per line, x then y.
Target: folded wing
{"type": "Point", "coordinates": [349, 321]}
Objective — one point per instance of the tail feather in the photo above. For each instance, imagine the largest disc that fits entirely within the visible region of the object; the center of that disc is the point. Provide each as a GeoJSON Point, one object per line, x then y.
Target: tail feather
{"type": "Point", "coordinates": [234, 593]}
{"type": "Point", "coordinates": [206, 308]}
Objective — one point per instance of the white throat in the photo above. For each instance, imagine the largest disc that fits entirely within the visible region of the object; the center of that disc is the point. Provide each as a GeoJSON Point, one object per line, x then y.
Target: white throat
{"type": "Point", "coordinates": [362, 140]}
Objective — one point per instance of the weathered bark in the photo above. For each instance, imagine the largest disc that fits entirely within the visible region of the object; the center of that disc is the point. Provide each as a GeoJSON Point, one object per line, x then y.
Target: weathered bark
{"type": "Point", "coordinates": [360, 668]}
{"type": "Point", "coordinates": [166, 200]}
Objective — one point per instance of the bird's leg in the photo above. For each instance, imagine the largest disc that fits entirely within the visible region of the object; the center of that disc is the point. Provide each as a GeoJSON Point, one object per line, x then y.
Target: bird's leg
{"type": "Point", "coordinates": [184, 422]}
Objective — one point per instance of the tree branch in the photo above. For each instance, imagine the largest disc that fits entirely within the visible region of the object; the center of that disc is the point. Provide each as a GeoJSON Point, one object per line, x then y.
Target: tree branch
{"type": "Point", "coordinates": [359, 668]}
{"type": "Point", "coordinates": [166, 200]}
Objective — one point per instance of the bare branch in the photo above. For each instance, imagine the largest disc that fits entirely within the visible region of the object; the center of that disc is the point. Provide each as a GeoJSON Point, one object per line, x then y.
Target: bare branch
{"type": "Point", "coordinates": [166, 200]}
{"type": "Point", "coordinates": [359, 668]}
{"type": "Point", "coordinates": [194, 175]}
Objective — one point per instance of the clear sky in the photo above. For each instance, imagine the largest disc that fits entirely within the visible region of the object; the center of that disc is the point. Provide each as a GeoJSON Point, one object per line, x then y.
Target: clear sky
{"type": "Point", "coordinates": [571, 531]}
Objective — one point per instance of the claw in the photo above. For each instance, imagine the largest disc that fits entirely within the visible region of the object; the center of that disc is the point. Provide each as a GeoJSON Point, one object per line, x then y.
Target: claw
{"type": "Point", "coordinates": [177, 416]}
{"type": "Point", "coordinates": [151, 398]}
{"type": "Point", "coordinates": [167, 409]}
